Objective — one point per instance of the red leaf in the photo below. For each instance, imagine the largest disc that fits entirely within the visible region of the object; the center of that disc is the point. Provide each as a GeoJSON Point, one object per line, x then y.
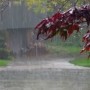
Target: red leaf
{"type": "Point", "coordinates": [56, 16]}
{"type": "Point", "coordinates": [72, 28]}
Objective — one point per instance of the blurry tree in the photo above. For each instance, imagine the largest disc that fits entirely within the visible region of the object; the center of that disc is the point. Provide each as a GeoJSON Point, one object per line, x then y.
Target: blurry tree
{"type": "Point", "coordinates": [50, 5]}
{"type": "Point", "coordinates": [45, 5]}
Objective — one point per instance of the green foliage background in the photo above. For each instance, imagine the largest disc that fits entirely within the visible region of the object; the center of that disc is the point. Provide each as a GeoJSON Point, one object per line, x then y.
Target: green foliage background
{"type": "Point", "coordinates": [51, 5]}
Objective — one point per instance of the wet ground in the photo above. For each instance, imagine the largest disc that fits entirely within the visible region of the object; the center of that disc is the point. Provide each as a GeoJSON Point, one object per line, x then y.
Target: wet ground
{"type": "Point", "coordinates": [44, 74]}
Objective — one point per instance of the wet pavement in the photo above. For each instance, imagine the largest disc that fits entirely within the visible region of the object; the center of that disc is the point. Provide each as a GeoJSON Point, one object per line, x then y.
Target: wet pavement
{"type": "Point", "coordinates": [43, 74]}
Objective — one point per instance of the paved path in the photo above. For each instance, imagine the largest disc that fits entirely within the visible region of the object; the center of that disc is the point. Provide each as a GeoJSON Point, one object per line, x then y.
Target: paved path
{"type": "Point", "coordinates": [55, 74]}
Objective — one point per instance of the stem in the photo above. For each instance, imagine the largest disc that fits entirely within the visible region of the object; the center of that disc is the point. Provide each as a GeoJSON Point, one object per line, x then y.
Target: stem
{"type": "Point", "coordinates": [75, 3]}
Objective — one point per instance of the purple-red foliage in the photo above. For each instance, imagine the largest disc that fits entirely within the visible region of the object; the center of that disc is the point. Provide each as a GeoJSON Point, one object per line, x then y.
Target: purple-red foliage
{"type": "Point", "coordinates": [65, 23]}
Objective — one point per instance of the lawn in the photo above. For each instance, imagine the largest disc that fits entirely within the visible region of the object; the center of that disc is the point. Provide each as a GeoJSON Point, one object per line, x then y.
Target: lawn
{"type": "Point", "coordinates": [64, 50]}
{"type": "Point", "coordinates": [81, 62]}
{"type": "Point", "coordinates": [4, 62]}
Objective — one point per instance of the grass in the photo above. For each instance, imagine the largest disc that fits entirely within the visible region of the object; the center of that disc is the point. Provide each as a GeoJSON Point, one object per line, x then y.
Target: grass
{"type": "Point", "coordinates": [81, 62]}
{"type": "Point", "coordinates": [64, 50]}
{"type": "Point", "coordinates": [4, 62]}
{"type": "Point", "coordinates": [71, 49]}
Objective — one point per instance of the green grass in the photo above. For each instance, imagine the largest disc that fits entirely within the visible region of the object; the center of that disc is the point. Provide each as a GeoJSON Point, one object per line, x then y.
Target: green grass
{"type": "Point", "coordinates": [64, 49]}
{"type": "Point", "coordinates": [71, 49]}
{"type": "Point", "coordinates": [81, 62]}
{"type": "Point", "coordinates": [4, 62]}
